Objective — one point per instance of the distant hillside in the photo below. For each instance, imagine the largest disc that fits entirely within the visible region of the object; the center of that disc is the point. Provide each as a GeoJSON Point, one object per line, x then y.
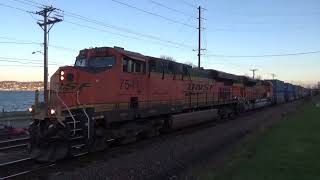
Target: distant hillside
{"type": "Point", "coordinates": [20, 86]}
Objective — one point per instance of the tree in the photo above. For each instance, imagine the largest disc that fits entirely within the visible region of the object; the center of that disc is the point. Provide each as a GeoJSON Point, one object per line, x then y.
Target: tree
{"type": "Point", "coordinates": [259, 77]}
{"type": "Point", "coordinates": [191, 64]}
{"type": "Point", "coordinates": [169, 58]}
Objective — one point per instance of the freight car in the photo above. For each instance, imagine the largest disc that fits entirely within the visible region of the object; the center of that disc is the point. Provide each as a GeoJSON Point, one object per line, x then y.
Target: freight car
{"type": "Point", "coordinates": [278, 91]}
{"type": "Point", "coordinates": [115, 95]}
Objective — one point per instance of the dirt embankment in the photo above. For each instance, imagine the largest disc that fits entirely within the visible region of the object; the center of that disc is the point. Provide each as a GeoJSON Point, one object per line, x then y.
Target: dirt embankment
{"type": "Point", "coordinates": [179, 157]}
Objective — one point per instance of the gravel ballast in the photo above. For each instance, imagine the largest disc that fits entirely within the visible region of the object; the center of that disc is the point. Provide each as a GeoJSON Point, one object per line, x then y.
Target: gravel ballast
{"type": "Point", "coordinates": [174, 157]}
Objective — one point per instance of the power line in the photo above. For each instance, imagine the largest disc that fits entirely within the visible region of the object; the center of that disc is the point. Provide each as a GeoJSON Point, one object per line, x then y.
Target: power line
{"type": "Point", "coordinates": [171, 9]}
{"type": "Point", "coordinates": [12, 42]}
{"type": "Point", "coordinates": [100, 23]}
{"type": "Point", "coordinates": [188, 4]}
{"type": "Point", "coordinates": [24, 2]}
{"type": "Point", "coordinates": [17, 65]}
{"type": "Point", "coordinates": [33, 2]}
{"type": "Point", "coordinates": [154, 14]}
{"type": "Point", "coordinates": [171, 43]}
{"type": "Point", "coordinates": [63, 48]}
{"type": "Point", "coordinates": [8, 6]}
{"type": "Point", "coordinates": [17, 41]}
{"type": "Point", "coordinates": [16, 61]}
{"type": "Point", "coordinates": [22, 59]}
{"type": "Point", "coordinates": [264, 55]}
{"type": "Point", "coordinates": [121, 29]}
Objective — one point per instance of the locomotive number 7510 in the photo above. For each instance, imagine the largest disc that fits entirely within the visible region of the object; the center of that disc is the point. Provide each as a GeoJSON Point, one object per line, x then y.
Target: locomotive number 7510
{"type": "Point", "coordinates": [129, 84]}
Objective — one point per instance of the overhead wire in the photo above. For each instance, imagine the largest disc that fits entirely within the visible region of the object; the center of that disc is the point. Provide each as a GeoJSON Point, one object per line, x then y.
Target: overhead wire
{"type": "Point", "coordinates": [12, 42]}
{"type": "Point", "coordinates": [21, 59]}
{"type": "Point", "coordinates": [188, 4]}
{"type": "Point", "coordinates": [150, 36]}
{"type": "Point", "coordinates": [264, 55]}
{"type": "Point", "coordinates": [26, 3]}
{"type": "Point", "coordinates": [171, 9]}
{"type": "Point", "coordinates": [12, 7]}
{"type": "Point", "coordinates": [100, 23]}
{"type": "Point", "coordinates": [154, 14]}
{"type": "Point", "coordinates": [17, 41]}
{"type": "Point", "coordinates": [16, 61]}
{"type": "Point", "coordinates": [164, 43]}
{"type": "Point", "coordinates": [8, 65]}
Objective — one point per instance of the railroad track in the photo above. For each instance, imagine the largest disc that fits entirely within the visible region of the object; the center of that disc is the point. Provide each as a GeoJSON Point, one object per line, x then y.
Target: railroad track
{"type": "Point", "coordinates": [19, 167]}
{"type": "Point", "coordinates": [26, 166]}
{"type": "Point", "coordinates": [14, 144]}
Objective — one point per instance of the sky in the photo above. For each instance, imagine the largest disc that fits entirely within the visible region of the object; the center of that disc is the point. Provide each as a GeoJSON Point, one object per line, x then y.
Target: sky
{"type": "Point", "coordinates": [161, 27]}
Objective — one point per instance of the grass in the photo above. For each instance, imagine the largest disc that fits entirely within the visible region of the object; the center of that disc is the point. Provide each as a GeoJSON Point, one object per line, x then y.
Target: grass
{"type": "Point", "coordinates": [289, 150]}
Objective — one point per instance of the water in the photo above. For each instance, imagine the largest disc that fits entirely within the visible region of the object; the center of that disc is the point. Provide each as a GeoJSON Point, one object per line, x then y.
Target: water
{"type": "Point", "coordinates": [16, 100]}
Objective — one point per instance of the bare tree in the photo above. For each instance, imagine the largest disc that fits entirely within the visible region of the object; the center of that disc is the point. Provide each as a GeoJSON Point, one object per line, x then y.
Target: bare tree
{"type": "Point", "coordinates": [191, 64]}
{"type": "Point", "coordinates": [169, 58]}
{"type": "Point", "coordinates": [259, 77]}
{"type": "Point", "coordinates": [246, 75]}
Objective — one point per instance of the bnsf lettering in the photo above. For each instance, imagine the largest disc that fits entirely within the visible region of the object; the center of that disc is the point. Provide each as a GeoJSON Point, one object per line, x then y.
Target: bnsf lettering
{"type": "Point", "coordinates": [199, 87]}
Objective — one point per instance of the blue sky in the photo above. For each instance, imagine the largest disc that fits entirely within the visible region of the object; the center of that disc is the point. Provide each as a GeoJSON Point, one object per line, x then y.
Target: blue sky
{"type": "Point", "coordinates": [232, 27]}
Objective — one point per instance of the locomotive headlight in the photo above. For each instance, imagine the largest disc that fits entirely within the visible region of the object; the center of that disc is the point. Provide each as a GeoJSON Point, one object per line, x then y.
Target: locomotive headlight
{"type": "Point", "coordinates": [30, 109]}
{"type": "Point", "coordinates": [62, 75]}
{"type": "Point", "coordinates": [52, 111]}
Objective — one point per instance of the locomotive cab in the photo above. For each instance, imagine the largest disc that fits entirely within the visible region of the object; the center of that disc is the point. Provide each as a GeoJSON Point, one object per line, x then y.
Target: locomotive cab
{"type": "Point", "coordinates": [76, 92]}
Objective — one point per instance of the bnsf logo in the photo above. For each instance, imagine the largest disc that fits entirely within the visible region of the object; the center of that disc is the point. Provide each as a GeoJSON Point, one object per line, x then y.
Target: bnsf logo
{"type": "Point", "coordinates": [199, 87]}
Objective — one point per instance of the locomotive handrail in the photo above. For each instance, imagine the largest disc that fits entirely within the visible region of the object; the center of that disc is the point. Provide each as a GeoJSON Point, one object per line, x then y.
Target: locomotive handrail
{"type": "Point", "coordinates": [83, 109]}
{"type": "Point", "coordinates": [74, 120]}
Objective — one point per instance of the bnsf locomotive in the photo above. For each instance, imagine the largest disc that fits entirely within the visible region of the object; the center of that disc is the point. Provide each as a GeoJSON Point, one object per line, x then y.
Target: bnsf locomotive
{"type": "Point", "coordinates": [114, 95]}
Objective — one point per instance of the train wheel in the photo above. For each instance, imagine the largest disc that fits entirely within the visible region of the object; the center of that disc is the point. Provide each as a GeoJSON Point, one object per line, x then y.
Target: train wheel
{"type": "Point", "coordinates": [51, 148]}
{"type": "Point", "coordinates": [152, 132]}
{"type": "Point", "coordinates": [167, 126]}
{"type": "Point", "coordinates": [100, 140]}
{"type": "Point", "coordinates": [128, 139]}
{"type": "Point", "coordinates": [223, 115]}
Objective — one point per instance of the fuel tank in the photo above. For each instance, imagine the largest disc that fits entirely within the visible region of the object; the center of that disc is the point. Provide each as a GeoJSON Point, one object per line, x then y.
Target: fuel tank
{"type": "Point", "coordinates": [187, 119]}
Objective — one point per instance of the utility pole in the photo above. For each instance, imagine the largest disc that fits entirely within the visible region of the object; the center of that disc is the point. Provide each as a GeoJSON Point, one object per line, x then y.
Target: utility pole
{"type": "Point", "coordinates": [253, 72]}
{"type": "Point", "coordinates": [199, 37]}
{"type": "Point", "coordinates": [46, 24]}
{"type": "Point", "coordinates": [273, 75]}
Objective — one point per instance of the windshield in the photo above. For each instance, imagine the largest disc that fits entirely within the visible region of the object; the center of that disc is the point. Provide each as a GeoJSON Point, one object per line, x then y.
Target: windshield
{"type": "Point", "coordinates": [81, 63]}
{"type": "Point", "coordinates": [96, 62]}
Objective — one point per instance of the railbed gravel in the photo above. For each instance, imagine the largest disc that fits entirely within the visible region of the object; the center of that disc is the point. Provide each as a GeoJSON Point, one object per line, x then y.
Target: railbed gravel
{"type": "Point", "coordinates": [178, 157]}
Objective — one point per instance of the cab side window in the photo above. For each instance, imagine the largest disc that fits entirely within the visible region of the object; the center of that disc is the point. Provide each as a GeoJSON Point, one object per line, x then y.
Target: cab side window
{"type": "Point", "coordinates": [125, 65]}
{"type": "Point", "coordinates": [133, 66]}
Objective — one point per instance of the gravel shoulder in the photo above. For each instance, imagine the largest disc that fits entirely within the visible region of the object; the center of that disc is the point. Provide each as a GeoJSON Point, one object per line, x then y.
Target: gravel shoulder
{"type": "Point", "coordinates": [184, 156]}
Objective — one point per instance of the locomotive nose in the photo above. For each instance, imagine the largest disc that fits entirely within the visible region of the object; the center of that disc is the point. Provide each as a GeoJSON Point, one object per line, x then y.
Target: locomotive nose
{"type": "Point", "coordinates": [66, 75]}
